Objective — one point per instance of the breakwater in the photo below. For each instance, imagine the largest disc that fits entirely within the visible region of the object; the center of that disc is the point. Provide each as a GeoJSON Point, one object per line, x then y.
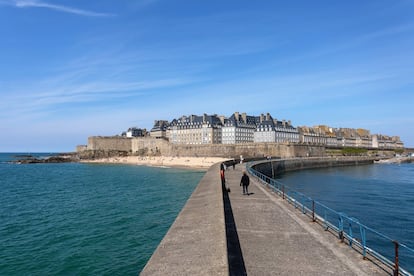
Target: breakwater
{"type": "Point", "coordinates": [388, 242]}
{"type": "Point", "coordinates": [198, 241]}
{"type": "Point", "coordinates": [273, 168]}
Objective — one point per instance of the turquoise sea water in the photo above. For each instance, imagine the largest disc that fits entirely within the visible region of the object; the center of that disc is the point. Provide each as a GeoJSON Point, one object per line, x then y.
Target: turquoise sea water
{"type": "Point", "coordinates": [86, 219]}
{"type": "Point", "coordinates": [380, 196]}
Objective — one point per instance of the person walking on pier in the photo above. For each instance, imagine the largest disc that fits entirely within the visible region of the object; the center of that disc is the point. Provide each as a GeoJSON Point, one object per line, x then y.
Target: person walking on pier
{"type": "Point", "coordinates": [223, 179]}
{"type": "Point", "coordinates": [245, 181]}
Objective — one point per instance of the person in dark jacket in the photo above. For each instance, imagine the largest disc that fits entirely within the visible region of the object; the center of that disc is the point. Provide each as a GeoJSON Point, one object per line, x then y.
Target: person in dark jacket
{"type": "Point", "coordinates": [245, 181]}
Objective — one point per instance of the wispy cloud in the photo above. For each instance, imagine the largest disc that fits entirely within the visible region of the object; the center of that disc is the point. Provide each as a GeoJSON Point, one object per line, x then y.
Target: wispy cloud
{"type": "Point", "coordinates": [61, 8]}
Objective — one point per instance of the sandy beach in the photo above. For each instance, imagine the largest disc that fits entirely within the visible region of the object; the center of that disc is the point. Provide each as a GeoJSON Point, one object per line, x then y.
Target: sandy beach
{"type": "Point", "coordinates": [162, 161]}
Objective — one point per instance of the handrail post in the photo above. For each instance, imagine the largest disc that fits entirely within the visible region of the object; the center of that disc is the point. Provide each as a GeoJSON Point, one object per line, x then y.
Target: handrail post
{"type": "Point", "coordinates": [313, 210]}
{"type": "Point", "coordinates": [341, 228]}
{"type": "Point", "coordinates": [364, 241]}
{"type": "Point", "coordinates": [396, 265]}
{"type": "Point", "coordinates": [303, 204]}
{"type": "Point", "coordinates": [283, 191]}
{"type": "Point", "coordinates": [350, 234]}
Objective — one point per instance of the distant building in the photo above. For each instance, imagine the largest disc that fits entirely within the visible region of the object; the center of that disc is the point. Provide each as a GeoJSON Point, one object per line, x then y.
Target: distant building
{"type": "Point", "coordinates": [194, 129]}
{"type": "Point", "coordinates": [271, 130]}
{"type": "Point", "coordinates": [243, 128]}
{"type": "Point", "coordinates": [239, 128]}
{"type": "Point", "coordinates": [135, 132]}
{"type": "Point", "coordinates": [387, 142]}
{"type": "Point", "coordinates": [265, 130]}
{"type": "Point", "coordinates": [312, 135]}
{"type": "Point", "coordinates": [329, 135]}
{"type": "Point", "coordinates": [159, 130]}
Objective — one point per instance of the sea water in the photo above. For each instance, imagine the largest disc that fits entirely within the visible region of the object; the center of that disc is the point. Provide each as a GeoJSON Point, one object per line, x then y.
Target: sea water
{"type": "Point", "coordinates": [89, 219]}
{"type": "Point", "coordinates": [380, 196]}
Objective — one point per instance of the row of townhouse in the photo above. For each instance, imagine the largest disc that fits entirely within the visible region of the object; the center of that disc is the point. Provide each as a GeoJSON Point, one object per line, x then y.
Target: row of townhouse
{"type": "Point", "coordinates": [347, 137]}
{"type": "Point", "coordinates": [242, 128]}
{"type": "Point", "coordinates": [238, 128]}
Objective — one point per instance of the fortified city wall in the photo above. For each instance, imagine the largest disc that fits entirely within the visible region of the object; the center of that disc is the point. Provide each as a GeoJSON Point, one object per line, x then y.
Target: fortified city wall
{"type": "Point", "coordinates": [109, 143]}
{"type": "Point", "coordinates": [152, 146]}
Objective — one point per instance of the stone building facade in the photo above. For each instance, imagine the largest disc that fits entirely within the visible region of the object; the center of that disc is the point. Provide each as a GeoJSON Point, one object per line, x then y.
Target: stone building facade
{"type": "Point", "coordinates": [241, 128]}
{"type": "Point", "coordinates": [196, 130]}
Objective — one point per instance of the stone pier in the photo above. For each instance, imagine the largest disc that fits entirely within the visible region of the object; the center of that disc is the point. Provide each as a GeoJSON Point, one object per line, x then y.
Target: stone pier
{"type": "Point", "coordinates": [221, 233]}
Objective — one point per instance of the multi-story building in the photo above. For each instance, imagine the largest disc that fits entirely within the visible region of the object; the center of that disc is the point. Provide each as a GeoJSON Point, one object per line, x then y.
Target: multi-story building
{"type": "Point", "coordinates": [364, 138]}
{"type": "Point", "coordinates": [242, 128]}
{"type": "Point", "coordinates": [159, 130]}
{"type": "Point", "coordinates": [285, 132]}
{"type": "Point", "coordinates": [135, 132]}
{"type": "Point", "coordinates": [386, 142]}
{"type": "Point", "coordinates": [194, 129]}
{"type": "Point", "coordinates": [239, 128]}
{"type": "Point", "coordinates": [274, 131]}
{"type": "Point", "coordinates": [329, 135]}
{"type": "Point", "coordinates": [265, 131]}
{"type": "Point", "coordinates": [312, 135]}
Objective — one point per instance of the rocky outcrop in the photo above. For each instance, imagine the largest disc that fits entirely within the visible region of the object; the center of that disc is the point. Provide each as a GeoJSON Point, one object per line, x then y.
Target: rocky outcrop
{"type": "Point", "coordinates": [61, 158]}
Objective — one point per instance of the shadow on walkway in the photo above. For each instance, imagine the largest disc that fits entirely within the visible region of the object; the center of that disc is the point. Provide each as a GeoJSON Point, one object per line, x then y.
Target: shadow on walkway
{"type": "Point", "coordinates": [234, 253]}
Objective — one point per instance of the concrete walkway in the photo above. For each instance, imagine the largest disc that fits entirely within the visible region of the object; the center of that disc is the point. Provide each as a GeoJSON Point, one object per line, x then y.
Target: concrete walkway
{"type": "Point", "coordinates": [276, 239]}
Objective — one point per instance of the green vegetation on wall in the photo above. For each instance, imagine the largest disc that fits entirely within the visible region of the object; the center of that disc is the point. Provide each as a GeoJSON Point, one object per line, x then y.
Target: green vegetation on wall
{"type": "Point", "coordinates": [354, 151]}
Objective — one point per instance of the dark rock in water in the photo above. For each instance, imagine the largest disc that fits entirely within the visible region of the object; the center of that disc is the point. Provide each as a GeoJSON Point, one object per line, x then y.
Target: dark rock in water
{"type": "Point", "coordinates": [52, 159]}
{"type": "Point", "coordinates": [24, 156]}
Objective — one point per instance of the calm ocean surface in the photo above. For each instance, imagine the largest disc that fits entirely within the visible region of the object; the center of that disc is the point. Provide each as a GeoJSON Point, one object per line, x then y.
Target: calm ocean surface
{"type": "Point", "coordinates": [108, 219]}
{"type": "Point", "coordinates": [88, 219]}
{"type": "Point", "coordinates": [380, 196]}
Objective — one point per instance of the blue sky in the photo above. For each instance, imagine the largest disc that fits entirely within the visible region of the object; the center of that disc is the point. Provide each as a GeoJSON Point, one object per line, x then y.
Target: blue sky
{"type": "Point", "coordinates": [73, 69]}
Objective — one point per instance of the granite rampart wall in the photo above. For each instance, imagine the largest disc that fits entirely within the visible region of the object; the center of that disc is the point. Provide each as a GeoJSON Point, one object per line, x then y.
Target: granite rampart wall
{"type": "Point", "coordinates": [98, 143]}
{"type": "Point", "coordinates": [153, 146]}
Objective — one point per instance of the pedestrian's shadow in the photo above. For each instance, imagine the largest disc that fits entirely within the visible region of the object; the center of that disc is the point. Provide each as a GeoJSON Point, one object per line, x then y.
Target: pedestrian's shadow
{"type": "Point", "coordinates": [249, 194]}
{"type": "Point", "coordinates": [234, 253]}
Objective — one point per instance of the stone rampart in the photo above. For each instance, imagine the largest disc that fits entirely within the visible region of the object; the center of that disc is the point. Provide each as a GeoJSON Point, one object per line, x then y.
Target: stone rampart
{"type": "Point", "coordinates": [153, 146]}
{"type": "Point", "coordinates": [98, 143]}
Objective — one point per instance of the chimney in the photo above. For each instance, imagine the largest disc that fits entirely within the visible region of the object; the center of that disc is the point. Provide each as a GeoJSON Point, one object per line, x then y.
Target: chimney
{"type": "Point", "coordinates": [221, 117]}
{"type": "Point", "coordinates": [244, 117]}
{"type": "Point", "coordinates": [236, 116]}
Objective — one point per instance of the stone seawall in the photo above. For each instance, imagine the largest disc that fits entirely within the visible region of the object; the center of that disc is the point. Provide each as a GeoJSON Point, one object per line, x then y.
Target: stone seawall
{"type": "Point", "coordinates": [152, 146]}
{"type": "Point", "coordinates": [274, 167]}
{"type": "Point", "coordinates": [196, 242]}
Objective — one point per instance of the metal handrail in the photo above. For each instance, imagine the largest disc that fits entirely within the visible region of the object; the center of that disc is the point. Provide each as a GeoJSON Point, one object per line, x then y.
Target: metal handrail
{"type": "Point", "coordinates": [348, 229]}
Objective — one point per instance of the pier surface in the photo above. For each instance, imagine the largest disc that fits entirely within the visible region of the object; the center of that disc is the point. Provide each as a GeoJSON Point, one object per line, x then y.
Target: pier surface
{"type": "Point", "coordinates": [276, 239]}
{"type": "Point", "coordinates": [220, 233]}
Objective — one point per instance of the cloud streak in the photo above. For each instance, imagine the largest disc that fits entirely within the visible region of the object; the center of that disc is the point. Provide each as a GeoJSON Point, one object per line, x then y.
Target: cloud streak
{"type": "Point", "coordinates": [61, 8]}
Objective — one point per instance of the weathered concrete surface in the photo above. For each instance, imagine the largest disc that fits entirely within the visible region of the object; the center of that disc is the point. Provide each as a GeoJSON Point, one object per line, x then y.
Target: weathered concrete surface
{"type": "Point", "coordinates": [196, 242]}
{"type": "Point", "coordinates": [276, 239]}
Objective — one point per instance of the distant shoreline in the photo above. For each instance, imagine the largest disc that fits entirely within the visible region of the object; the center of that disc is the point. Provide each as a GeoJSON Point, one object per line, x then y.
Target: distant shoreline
{"type": "Point", "coordinates": [161, 161]}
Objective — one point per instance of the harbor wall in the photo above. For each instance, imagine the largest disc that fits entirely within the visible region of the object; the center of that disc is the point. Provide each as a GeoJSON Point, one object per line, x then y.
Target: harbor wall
{"type": "Point", "coordinates": [273, 168]}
